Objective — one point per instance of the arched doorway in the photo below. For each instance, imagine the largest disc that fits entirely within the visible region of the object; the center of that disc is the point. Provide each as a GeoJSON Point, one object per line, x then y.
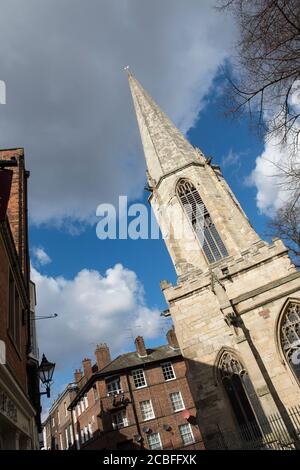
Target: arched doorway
{"type": "Point", "coordinates": [241, 395]}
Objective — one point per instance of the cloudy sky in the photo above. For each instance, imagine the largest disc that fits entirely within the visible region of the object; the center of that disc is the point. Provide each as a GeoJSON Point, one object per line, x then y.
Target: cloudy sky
{"type": "Point", "coordinates": [68, 104]}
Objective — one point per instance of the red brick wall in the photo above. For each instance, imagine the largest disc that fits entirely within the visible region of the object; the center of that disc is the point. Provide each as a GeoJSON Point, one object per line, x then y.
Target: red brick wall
{"type": "Point", "coordinates": [17, 205]}
{"type": "Point", "coordinates": [15, 359]}
{"type": "Point", "coordinates": [17, 217]}
{"type": "Point", "coordinates": [157, 391]}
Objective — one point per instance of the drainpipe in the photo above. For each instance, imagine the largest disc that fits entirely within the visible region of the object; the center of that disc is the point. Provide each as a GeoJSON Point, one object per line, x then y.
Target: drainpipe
{"type": "Point", "coordinates": [134, 410]}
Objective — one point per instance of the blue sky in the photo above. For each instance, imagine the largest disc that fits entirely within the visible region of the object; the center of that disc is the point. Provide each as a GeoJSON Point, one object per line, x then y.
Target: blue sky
{"type": "Point", "coordinates": [232, 145]}
{"type": "Point", "coordinates": [68, 104]}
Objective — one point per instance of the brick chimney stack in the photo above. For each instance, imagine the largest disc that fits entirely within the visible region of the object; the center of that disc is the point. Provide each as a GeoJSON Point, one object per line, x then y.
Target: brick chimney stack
{"type": "Point", "coordinates": [102, 354]}
{"type": "Point", "coordinates": [172, 339]}
{"type": "Point", "coordinates": [77, 376]}
{"type": "Point", "coordinates": [87, 368]}
{"type": "Point", "coordinates": [140, 346]}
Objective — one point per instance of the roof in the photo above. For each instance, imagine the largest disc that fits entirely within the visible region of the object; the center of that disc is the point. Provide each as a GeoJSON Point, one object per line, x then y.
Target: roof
{"type": "Point", "coordinates": [129, 361]}
{"type": "Point", "coordinates": [132, 359]}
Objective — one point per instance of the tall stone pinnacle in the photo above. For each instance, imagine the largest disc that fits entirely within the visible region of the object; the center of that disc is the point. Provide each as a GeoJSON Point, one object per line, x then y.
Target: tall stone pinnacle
{"type": "Point", "coordinates": [165, 147]}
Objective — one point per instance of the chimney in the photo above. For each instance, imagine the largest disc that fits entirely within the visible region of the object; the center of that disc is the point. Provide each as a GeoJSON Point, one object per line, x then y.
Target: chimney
{"type": "Point", "coordinates": [140, 346]}
{"type": "Point", "coordinates": [77, 376]}
{"type": "Point", "coordinates": [102, 354]}
{"type": "Point", "coordinates": [87, 368]}
{"type": "Point", "coordinates": [172, 339]}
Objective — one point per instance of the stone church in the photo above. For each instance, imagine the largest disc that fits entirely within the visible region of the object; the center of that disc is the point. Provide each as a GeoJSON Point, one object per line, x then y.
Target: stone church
{"type": "Point", "coordinates": [236, 302]}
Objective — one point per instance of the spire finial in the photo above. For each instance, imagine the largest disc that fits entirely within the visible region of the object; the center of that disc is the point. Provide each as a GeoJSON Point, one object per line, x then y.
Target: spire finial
{"type": "Point", "coordinates": [127, 70]}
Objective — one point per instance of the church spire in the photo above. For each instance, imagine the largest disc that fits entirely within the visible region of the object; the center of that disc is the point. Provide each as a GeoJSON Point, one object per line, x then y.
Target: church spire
{"type": "Point", "coordinates": [165, 147]}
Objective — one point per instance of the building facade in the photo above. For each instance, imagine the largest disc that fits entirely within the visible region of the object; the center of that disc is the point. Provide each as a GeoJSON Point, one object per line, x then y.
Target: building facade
{"type": "Point", "coordinates": [58, 429]}
{"type": "Point", "coordinates": [236, 302]}
{"type": "Point", "coordinates": [19, 382]}
{"type": "Point", "coordinates": [140, 400]}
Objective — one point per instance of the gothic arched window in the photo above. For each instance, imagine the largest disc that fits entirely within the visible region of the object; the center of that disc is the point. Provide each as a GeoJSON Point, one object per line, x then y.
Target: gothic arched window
{"type": "Point", "coordinates": [241, 394]}
{"type": "Point", "coordinates": [201, 221]}
{"type": "Point", "coordinates": [290, 337]}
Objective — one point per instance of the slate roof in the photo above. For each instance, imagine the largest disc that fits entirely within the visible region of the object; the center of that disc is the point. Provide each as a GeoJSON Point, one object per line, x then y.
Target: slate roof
{"type": "Point", "coordinates": [128, 361]}
{"type": "Point", "coordinates": [132, 359]}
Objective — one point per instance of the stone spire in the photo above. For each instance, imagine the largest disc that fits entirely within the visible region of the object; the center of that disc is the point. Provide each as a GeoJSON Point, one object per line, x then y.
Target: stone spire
{"type": "Point", "coordinates": [165, 147]}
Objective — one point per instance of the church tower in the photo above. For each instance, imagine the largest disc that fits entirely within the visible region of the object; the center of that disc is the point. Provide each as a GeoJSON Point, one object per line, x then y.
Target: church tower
{"type": "Point", "coordinates": [236, 302]}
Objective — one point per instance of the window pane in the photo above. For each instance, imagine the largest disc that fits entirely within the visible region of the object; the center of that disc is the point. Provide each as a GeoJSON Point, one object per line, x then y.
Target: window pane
{"type": "Point", "coordinates": [154, 441]}
{"type": "Point", "coordinates": [17, 318]}
{"type": "Point", "coordinates": [177, 402]}
{"type": "Point", "coordinates": [11, 305]}
{"type": "Point", "coordinates": [119, 420]}
{"type": "Point", "coordinates": [139, 378]}
{"type": "Point", "coordinates": [186, 434]}
{"type": "Point", "coordinates": [113, 385]}
{"type": "Point", "coordinates": [290, 337]}
{"type": "Point", "coordinates": [201, 221]}
{"type": "Point", "coordinates": [168, 371]}
{"type": "Point", "coordinates": [147, 410]}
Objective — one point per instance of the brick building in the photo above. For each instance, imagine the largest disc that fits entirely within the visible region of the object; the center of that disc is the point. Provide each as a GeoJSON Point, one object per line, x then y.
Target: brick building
{"type": "Point", "coordinates": [19, 383]}
{"type": "Point", "coordinates": [139, 400]}
{"type": "Point", "coordinates": [58, 429]}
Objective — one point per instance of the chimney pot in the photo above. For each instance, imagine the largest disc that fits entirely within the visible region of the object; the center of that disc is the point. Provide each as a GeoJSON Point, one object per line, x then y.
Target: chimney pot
{"type": "Point", "coordinates": [172, 339]}
{"type": "Point", "coordinates": [140, 346]}
{"type": "Point", "coordinates": [77, 376]}
{"type": "Point", "coordinates": [102, 354]}
{"type": "Point", "coordinates": [87, 368]}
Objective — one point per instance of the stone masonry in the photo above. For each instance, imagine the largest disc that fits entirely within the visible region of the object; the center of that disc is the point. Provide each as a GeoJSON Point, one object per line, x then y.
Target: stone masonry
{"type": "Point", "coordinates": [234, 305]}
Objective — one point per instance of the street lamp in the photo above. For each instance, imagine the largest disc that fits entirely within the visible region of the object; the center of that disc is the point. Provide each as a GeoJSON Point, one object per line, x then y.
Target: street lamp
{"type": "Point", "coordinates": [46, 370]}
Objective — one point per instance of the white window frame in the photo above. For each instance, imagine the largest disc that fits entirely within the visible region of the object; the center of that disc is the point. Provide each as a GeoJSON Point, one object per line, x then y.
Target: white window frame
{"type": "Point", "coordinates": [144, 411]}
{"type": "Point", "coordinates": [121, 423]}
{"type": "Point", "coordinates": [78, 409]}
{"type": "Point", "coordinates": [77, 441]}
{"type": "Point", "coordinates": [90, 428]}
{"type": "Point", "coordinates": [82, 405]}
{"type": "Point", "coordinates": [137, 378]}
{"type": "Point", "coordinates": [169, 365]}
{"type": "Point", "coordinates": [66, 408]}
{"type": "Point", "coordinates": [58, 417]}
{"type": "Point", "coordinates": [71, 434]}
{"type": "Point", "coordinates": [190, 432]}
{"type": "Point", "coordinates": [86, 401]}
{"type": "Point", "coordinates": [53, 422]}
{"type": "Point", "coordinates": [181, 399]}
{"type": "Point", "coordinates": [82, 435]}
{"type": "Point", "coordinates": [114, 390]}
{"type": "Point", "coordinates": [61, 442]}
{"type": "Point", "coordinates": [74, 416]}
{"type": "Point", "coordinates": [67, 438]}
{"type": "Point", "coordinates": [158, 440]}
{"type": "Point", "coordinates": [96, 394]}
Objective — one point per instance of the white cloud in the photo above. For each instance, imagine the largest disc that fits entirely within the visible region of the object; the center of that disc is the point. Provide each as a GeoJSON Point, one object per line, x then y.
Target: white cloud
{"type": "Point", "coordinates": [91, 308]}
{"type": "Point", "coordinates": [232, 158]}
{"type": "Point", "coordinates": [269, 174]}
{"type": "Point", "coordinates": [68, 99]}
{"type": "Point", "coordinates": [40, 255]}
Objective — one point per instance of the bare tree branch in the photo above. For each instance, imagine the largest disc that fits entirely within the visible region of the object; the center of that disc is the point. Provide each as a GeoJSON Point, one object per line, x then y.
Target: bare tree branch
{"type": "Point", "coordinates": [267, 69]}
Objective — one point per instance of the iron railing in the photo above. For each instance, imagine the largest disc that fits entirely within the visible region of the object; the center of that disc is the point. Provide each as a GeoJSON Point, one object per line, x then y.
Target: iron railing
{"type": "Point", "coordinates": [276, 432]}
